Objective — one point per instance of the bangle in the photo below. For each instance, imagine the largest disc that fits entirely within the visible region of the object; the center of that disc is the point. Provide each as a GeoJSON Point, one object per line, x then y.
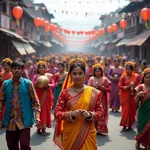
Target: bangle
{"type": "Point", "coordinates": [91, 117]}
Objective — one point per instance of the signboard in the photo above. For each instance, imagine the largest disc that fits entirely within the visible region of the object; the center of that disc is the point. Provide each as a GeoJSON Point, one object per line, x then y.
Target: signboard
{"type": "Point", "coordinates": [5, 22]}
{"type": "Point", "coordinates": [120, 35]}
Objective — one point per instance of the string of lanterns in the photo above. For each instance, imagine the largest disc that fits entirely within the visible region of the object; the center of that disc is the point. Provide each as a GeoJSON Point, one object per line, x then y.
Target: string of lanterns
{"type": "Point", "coordinates": [17, 12]}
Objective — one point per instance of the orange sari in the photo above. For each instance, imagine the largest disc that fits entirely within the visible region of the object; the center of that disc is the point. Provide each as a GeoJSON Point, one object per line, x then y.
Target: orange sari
{"type": "Point", "coordinates": [78, 134]}
{"type": "Point", "coordinates": [127, 102]}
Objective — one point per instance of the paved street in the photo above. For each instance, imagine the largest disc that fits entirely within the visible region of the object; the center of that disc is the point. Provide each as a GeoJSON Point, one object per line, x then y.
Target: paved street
{"type": "Point", "coordinates": [116, 140]}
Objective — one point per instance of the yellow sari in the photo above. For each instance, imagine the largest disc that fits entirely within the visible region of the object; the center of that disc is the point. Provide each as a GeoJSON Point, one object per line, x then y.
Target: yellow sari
{"type": "Point", "coordinates": [79, 134]}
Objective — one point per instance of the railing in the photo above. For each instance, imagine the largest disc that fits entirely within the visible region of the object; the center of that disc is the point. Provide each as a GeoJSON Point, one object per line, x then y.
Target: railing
{"type": "Point", "coordinates": [130, 30]}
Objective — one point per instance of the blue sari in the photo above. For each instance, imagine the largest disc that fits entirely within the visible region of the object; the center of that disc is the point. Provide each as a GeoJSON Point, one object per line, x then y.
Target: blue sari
{"type": "Point", "coordinates": [57, 91]}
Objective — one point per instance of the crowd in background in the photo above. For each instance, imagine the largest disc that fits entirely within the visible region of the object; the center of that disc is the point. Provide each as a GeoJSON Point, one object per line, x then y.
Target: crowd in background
{"type": "Point", "coordinates": [121, 82]}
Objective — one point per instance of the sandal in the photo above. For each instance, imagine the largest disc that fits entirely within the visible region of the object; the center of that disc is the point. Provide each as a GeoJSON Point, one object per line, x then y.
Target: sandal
{"type": "Point", "coordinates": [137, 145]}
{"type": "Point", "coordinates": [43, 133]}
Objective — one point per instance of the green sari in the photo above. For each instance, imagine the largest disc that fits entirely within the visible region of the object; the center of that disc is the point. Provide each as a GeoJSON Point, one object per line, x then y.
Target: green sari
{"type": "Point", "coordinates": [143, 133]}
{"type": "Point", "coordinates": [57, 91]}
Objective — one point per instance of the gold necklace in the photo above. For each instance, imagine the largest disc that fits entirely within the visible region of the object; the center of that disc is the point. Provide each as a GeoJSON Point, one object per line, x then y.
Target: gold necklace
{"type": "Point", "coordinates": [78, 91]}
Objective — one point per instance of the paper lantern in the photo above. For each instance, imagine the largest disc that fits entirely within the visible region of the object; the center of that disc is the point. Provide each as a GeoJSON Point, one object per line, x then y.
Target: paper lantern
{"type": "Point", "coordinates": [42, 20]}
{"type": "Point", "coordinates": [123, 24]}
{"type": "Point", "coordinates": [73, 32]}
{"type": "Point", "coordinates": [109, 29]}
{"type": "Point", "coordinates": [37, 21]}
{"type": "Point", "coordinates": [46, 24]}
{"type": "Point", "coordinates": [101, 31]}
{"type": "Point", "coordinates": [114, 27]}
{"type": "Point", "coordinates": [48, 29]}
{"type": "Point", "coordinates": [17, 13]}
{"type": "Point", "coordinates": [145, 15]}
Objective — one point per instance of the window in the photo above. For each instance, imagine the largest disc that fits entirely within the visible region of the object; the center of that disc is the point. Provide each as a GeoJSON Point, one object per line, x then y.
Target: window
{"type": "Point", "coordinates": [4, 7]}
{"type": "Point", "coordinates": [134, 21]}
{"type": "Point", "coordinates": [129, 22]}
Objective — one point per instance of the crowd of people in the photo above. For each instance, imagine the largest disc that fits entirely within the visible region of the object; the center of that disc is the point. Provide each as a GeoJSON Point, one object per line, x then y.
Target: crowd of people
{"type": "Point", "coordinates": [81, 89]}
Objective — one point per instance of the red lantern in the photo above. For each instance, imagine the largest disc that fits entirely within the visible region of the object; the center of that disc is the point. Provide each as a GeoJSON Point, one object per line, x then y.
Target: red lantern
{"type": "Point", "coordinates": [123, 24]}
{"type": "Point", "coordinates": [17, 13]}
{"type": "Point", "coordinates": [60, 29]}
{"type": "Point", "coordinates": [46, 24]}
{"type": "Point", "coordinates": [145, 14]}
{"type": "Point", "coordinates": [101, 31]}
{"type": "Point", "coordinates": [109, 29]}
{"type": "Point", "coordinates": [48, 29]}
{"type": "Point", "coordinates": [114, 27]}
{"type": "Point", "coordinates": [55, 28]}
{"type": "Point", "coordinates": [42, 21]}
{"type": "Point", "coordinates": [73, 32]}
{"type": "Point", "coordinates": [37, 21]}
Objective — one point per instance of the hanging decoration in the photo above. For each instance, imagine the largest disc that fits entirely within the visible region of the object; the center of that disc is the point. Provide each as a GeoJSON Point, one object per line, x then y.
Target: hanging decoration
{"type": "Point", "coordinates": [123, 24]}
{"type": "Point", "coordinates": [17, 13]}
{"type": "Point", "coordinates": [42, 20]}
{"type": "Point", "coordinates": [37, 22]}
{"type": "Point", "coordinates": [114, 27]}
{"type": "Point", "coordinates": [46, 24]}
{"type": "Point", "coordinates": [101, 31]}
{"type": "Point", "coordinates": [145, 15]}
{"type": "Point", "coordinates": [109, 29]}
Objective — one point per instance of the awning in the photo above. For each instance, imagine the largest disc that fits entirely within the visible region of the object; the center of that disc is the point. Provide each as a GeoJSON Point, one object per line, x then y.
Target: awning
{"type": "Point", "coordinates": [13, 34]}
{"type": "Point", "coordinates": [97, 44]}
{"type": "Point", "coordinates": [29, 49]}
{"type": "Point", "coordinates": [139, 39]}
{"type": "Point", "coordinates": [45, 43]}
{"type": "Point", "coordinates": [124, 42]}
{"type": "Point", "coordinates": [106, 42]}
{"type": "Point", "coordinates": [19, 47]}
{"type": "Point", "coordinates": [102, 48]}
{"type": "Point", "coordinates": [115, 41]}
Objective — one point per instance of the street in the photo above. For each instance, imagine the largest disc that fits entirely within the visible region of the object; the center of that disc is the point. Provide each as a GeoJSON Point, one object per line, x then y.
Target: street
{"type": "Point", "coordinates": [116, 140]}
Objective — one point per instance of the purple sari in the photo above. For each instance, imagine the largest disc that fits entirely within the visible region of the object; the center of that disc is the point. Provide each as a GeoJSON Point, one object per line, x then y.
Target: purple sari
{"type": "Point", "coordinates": [114, 94]}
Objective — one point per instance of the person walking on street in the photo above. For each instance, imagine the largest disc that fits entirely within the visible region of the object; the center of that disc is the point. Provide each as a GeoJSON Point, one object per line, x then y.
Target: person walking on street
{"type": "Point", "coordinates": [19, 96]}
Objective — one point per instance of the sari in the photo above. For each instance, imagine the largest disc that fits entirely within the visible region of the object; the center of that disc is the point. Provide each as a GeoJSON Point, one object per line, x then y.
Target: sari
{"type": "Point", "coordinates": [114, 94]}
{"type": "Point", "coordinates": [78, 134]}
{"type": "Point", "coordinates": [143, 133]}
{"type": "Point", "coordinates": [4, 76]}
{"type": "Point", "coordinates": [89, 73]}
{"type": "Point", "coordinates": [127, 102]}
{"type": "Point", "coordinates": [46, 101]}
{"type": "Point", "coordinates": [58, 89]}
{"type": "Point", "coordinates": [101, 124]}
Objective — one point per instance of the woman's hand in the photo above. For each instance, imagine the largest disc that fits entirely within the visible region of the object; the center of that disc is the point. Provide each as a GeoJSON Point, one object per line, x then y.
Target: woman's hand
{"type": "Point", "coordinates": [140, 94]}
{"type": "Point", "coordinates": [86, 114]}
{"type": "Point", "coordinates": [47, 86]}
{"type": "Point", "coordinates": [76, 113]}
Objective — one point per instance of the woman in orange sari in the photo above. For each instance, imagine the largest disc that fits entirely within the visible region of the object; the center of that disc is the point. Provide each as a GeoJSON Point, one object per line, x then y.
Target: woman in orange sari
{"type": "Point", "coordinates": [5, 75]}
{"type": "Point", "coordinates": [127, 83]}
{"type": "Point", "coordinates": [100, 82]}
{"type": "Point", "coordinates": [143, 99]}
{"type": "Point", "coordinates": [45, 96]}
{"type": "Point", "coordinates": [77, 108]}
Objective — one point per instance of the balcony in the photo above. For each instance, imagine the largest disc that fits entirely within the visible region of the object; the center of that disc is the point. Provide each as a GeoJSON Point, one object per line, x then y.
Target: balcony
{"type": "Point", "coordinates": [130, 31]}
{"type": "Point", "coordinates": [134, 30]}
